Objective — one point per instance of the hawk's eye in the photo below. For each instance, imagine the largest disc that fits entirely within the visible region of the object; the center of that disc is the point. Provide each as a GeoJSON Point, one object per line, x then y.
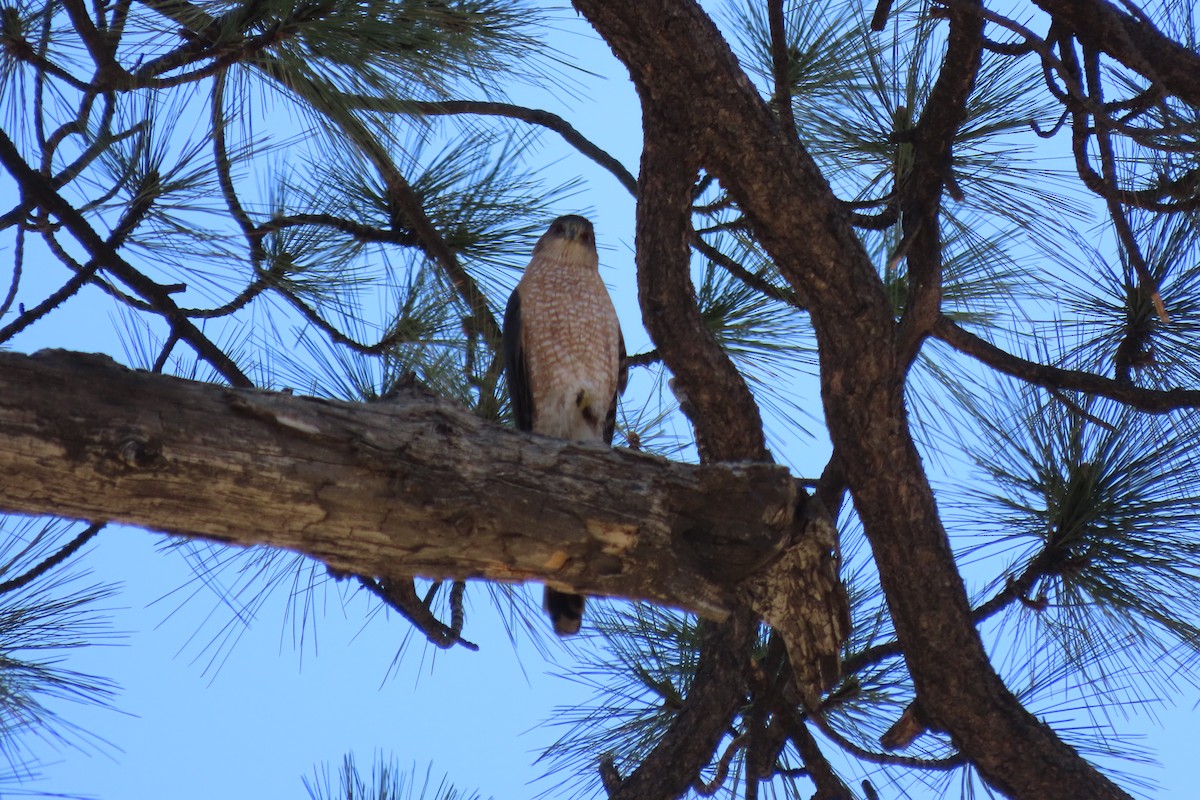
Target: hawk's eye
{"type": "Point", "coordinates": [586, 237]}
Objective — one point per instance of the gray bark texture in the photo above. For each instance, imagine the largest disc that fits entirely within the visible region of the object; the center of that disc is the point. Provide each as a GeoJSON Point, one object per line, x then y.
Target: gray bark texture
{"type": "Point", "coordinates": [413, 485]}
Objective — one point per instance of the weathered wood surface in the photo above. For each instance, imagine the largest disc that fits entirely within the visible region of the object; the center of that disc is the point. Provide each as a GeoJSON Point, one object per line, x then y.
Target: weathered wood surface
{"type": "Point", "coordinates": [409, 486]}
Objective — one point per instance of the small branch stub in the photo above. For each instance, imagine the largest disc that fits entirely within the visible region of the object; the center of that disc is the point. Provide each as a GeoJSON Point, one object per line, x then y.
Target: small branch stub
{"type": "Point", "coordinates": [802, 597]}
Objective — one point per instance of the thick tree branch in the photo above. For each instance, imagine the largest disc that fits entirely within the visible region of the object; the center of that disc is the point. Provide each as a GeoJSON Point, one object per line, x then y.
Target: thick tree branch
{"type": "Point", "coordinates": [921, 193]}
{"type": "Point", "coordinates": [718, 401]}
{"type": "Point", "coordinates": [684, 69]}
{"type": "Point", "coordinates": [728, 428]}
{"type": "Point", "coordinates": [413, 486]}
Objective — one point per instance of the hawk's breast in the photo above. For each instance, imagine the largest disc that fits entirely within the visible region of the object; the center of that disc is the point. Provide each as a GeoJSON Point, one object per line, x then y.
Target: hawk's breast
{"type": "Point", "coordinates": [571, 336]}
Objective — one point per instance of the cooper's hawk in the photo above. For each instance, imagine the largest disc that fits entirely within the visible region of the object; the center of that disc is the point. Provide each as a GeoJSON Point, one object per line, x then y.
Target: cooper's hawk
{"type": "Point", "coordinates": [565, 356]}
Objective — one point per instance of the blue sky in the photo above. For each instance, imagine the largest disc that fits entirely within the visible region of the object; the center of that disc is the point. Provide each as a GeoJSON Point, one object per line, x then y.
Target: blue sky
{"type": "Point", "coordinates": [270, 714]}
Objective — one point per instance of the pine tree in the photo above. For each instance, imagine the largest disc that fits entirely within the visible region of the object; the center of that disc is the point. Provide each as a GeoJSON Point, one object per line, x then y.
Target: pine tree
{"type": "Point", "coordinates": [950, 249]}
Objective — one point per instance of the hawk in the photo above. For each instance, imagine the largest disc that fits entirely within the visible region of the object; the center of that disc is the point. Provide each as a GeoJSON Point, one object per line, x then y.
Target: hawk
{"type": "Point", "coordinates": [564, 356]}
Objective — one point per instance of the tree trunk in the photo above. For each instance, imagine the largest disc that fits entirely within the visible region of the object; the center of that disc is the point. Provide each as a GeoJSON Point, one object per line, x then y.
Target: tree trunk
{"type": "Point", "coordinates": [681, 64]}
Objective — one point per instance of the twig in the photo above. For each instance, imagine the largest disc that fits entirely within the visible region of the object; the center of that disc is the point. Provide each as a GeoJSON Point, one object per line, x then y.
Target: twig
{"type": "Point", "coordinates": [165, 353]}
{"type": "Point", "coordinates": [18, 264]}
{"type": "Point", "coordinates": [49, 563]}
{"type": "Point", "coordinates": [37, 187]}
{"type": "Point", "coordinates": [77, 281]}
{"type": "Point", "coordinates": [1133, 251]}
{"type": "Point", "coordinates": [942, 764]}
{"type": "Point", "coordinates": [400, 594]}
{"type": "Point", "coordinates": [544, 119]}
{"type": "Point", "coordinates": [747, 277]}
{"type": "Point", "coordinates": [644, 359]}
{"type": "Point", "coordinates": [1079, 410]}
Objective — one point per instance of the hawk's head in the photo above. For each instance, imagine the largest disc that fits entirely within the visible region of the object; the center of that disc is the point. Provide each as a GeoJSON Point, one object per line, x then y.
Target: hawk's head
{"type": "Point", "coordinates": [570, 238]}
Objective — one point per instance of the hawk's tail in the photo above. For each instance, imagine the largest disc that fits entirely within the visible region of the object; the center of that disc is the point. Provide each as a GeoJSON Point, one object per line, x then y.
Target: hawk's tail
{"type": "Point", "coordinates": [565, 610]}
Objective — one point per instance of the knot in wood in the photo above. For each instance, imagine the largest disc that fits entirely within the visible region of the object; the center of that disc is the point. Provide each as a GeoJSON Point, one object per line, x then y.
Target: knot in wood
{"type": "Point", "coordinates": [136, 451]}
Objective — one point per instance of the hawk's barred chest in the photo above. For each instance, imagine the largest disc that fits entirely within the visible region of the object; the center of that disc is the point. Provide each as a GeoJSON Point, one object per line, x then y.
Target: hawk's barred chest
{"type": "Point", "coordinates": [571, 336]}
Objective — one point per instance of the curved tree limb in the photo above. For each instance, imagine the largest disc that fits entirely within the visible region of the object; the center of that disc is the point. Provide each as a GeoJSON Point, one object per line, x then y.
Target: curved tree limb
{"type": "Point", "coordinates": [1105, 28]}
{"type": "Point", "coordinates": [533, 116]}
{"type": "Point", "coordinates": [722, 409]}
{"type": "Point", "coordinates": [672, 49]}
{"type": "Point", "coordinates": [53, 560]}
